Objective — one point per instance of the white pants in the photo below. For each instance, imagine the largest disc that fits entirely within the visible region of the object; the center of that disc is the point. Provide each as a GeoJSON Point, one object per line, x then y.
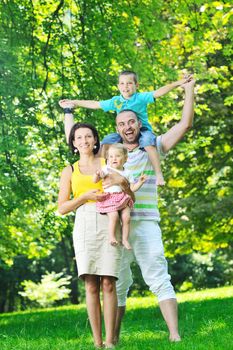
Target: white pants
{"type": "Point", "coordinates": [147, 250]}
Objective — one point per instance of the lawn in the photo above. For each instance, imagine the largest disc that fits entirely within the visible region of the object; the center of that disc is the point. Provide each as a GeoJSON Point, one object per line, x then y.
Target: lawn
{"type": "Point", "coordinates": [206, 323]}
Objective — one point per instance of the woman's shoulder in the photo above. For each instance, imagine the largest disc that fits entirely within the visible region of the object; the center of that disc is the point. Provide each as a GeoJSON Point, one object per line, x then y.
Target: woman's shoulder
{"type": "Point", "coordinates": [100, 160]}
{"type": "Point", "coordinates": [67, 171]}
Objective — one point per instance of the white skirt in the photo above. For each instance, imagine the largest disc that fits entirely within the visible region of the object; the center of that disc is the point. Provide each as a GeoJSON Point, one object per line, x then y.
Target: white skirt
{"type": "Point", "coordinates": [93, 252]}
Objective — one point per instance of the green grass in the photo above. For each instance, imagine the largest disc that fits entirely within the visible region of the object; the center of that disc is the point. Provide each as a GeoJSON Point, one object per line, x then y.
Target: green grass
{"type": "Point", "coordinates": [206, 322]}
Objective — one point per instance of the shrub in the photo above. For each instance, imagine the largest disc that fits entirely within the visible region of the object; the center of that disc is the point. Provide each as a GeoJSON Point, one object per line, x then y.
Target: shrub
{"type": "Point", "coordinates": [51, 289]}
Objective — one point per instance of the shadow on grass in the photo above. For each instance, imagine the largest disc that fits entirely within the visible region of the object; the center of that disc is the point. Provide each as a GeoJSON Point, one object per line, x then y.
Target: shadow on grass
{"type": "Point", "coordinates": [205, 324]}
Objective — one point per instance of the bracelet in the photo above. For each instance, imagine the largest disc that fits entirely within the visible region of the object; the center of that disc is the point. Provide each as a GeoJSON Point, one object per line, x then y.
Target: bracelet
{"type": "Point", "coordinates": [68, 110]}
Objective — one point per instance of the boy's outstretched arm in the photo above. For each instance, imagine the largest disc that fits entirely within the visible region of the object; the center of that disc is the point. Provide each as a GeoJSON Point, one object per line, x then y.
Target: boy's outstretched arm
{"type": "Point", "coordinates": [175, 134]}
{"type": "Point", "coordinates": [167, 88]}
{"type": "Point", "coordinates": [79, 103]}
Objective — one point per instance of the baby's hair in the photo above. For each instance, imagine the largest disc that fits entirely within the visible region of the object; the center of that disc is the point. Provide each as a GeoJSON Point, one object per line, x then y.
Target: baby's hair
{"type": "Point", "coordinates": [120, 147]}
{"type": "Point", "coordinates": [129, 72]}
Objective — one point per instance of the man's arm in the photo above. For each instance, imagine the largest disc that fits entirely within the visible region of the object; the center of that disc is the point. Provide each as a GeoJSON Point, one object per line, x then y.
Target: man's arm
{"type": "Point", "coordinates": [116, 179]}
{"type": "Point", "coordinates": [175, 134]}
{"type": "Point", "coordinates": [167, 88]}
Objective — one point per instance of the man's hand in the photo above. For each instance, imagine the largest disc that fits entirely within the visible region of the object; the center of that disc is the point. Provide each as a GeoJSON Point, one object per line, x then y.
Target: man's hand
{"type": "Point", "coordinates": [189, 83]}
{"type": "Point", "coordinates": [115, 179]}
{"type": "Point", "coordinates": [185, 79]}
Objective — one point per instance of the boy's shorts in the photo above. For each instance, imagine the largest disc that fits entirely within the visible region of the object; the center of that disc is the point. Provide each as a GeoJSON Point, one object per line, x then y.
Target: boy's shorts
{"type": "Point", "coordinates": [146, 138]}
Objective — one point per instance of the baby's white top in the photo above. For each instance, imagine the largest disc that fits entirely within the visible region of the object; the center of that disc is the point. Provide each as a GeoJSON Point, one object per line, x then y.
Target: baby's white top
{"type": "Point", "coordinates": [115, 188]}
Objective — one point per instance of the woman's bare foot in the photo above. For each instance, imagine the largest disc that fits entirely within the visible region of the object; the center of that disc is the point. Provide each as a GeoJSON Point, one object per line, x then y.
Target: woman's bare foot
{"type": "Point", "coordinates": [99, 346]}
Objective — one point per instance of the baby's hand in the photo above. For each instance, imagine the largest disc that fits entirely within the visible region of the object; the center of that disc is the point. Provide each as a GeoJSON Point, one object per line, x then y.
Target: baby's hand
{"type": "Point", "coordinates": [142, 178]}
{"type": "Point", "coordinates": [100, 173]}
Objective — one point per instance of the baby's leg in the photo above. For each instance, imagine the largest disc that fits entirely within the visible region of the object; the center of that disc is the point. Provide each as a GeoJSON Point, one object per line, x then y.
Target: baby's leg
{"type": "Point", "coordinates": [113, 220]}
{"type": "Point", "coordinates": [154, 158]}
{"type": "Point", "coordinates": [125, 220]}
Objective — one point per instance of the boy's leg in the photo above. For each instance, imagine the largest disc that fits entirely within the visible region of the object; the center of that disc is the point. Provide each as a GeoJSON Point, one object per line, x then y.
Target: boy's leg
{"type": "Point", "coordinates": [113, 219]}
{"type": "Point", "coordinates": [147, 140]}
{"type": "Point", "coordinates": [125, 220]}
{"type": "Point", "coordinates": [154, 158]}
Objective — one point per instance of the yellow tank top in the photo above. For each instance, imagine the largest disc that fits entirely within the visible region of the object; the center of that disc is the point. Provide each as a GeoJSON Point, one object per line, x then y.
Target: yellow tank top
{"type": "Point", "coordinates": [81, 183]}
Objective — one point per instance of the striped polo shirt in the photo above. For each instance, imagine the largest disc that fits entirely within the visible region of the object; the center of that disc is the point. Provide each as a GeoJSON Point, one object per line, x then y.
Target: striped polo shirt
{"type": "Point", "coordinates": [146, 205]}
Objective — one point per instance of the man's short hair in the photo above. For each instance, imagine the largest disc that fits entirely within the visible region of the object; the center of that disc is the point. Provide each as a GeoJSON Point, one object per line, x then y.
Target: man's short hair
{"type": "Point", "coordinates": [129, 72]}
{"type": "Point", "coordinates": [128, 110]}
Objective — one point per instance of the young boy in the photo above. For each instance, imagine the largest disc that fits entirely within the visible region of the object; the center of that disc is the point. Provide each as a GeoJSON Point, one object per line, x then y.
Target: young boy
{"type": "Point", "coordinates": [137, 102]}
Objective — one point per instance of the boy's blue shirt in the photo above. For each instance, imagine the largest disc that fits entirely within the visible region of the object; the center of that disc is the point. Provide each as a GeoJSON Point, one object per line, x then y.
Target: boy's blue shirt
{"type": "Point", "coordinates": [137, 102]}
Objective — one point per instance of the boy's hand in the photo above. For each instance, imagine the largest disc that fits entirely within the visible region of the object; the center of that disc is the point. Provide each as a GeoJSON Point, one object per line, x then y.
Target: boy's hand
{"type": "Point", "coordinates": [66, 104]}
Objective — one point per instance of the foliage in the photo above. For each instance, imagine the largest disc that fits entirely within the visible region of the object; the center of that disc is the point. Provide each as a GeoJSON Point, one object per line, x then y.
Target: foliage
{"type": "Point", "coordinates": [51, 50]}
{"type": "Point", "coordinates": [205, 323]}
{"type": "Point", "coordinates": [51, 289]}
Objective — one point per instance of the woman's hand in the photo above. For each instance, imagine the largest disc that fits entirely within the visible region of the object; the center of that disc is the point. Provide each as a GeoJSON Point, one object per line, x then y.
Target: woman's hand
{"type": "Point", "coordinates": [94, 195]}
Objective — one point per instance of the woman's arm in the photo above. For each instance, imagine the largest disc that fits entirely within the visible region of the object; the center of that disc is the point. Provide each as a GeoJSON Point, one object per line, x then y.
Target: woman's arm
{"type": "Point", "coordinates": [65, 204]}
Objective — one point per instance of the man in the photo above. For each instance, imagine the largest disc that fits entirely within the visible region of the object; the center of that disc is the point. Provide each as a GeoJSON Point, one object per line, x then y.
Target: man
{"type": "Point", "coordinates": [145, 234]}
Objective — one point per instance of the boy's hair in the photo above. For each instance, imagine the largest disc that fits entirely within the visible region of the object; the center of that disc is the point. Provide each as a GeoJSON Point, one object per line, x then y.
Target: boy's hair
{"type": "Point", "coordinates": [120, 147]}
{"type": "Point", "coordinates": [129, 72]}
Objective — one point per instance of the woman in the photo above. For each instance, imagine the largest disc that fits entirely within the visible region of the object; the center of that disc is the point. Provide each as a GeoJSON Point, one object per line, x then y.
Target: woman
{"type": "Point", "coordinates": [97, 260]}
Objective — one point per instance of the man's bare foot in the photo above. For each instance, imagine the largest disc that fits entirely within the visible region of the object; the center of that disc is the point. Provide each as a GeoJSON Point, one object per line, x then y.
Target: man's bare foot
{"type": "Point", "coordinates": [159, 179]}
{"type": "Point", "coordinates": [126, 244]}
{"type": "Point", "coordinates": [174, 338]}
